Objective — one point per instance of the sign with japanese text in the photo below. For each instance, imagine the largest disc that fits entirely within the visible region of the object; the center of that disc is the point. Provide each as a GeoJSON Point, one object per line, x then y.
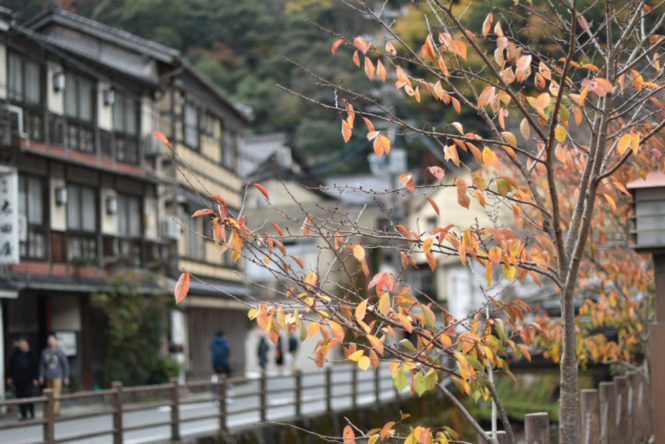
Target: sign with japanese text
{"type": "Point", "coordinates": [9, 224]}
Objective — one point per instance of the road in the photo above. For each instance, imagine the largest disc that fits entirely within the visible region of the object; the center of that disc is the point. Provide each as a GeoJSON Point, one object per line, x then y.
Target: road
{"type": "Point", "coordinates": [241, 398]}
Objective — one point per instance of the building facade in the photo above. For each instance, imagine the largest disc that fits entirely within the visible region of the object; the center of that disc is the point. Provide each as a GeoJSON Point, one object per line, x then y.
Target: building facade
{"type": "Point", "coordinates": [97, 195]}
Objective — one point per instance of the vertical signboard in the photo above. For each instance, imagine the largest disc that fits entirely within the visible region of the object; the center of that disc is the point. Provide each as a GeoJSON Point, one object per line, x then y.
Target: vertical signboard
{"type": "Point", "coordinates": [9, 225]}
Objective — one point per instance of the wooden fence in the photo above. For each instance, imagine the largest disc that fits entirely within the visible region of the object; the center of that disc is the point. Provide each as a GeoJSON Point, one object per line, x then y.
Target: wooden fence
{"type": "Point", "coordinates": [617, 412]}
{"type": "Point", "coordinates": [179, 395]}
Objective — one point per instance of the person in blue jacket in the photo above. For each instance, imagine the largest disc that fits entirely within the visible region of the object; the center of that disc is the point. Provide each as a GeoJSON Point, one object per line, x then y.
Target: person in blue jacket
{"type": "Point", "coordinates": [220, 349]}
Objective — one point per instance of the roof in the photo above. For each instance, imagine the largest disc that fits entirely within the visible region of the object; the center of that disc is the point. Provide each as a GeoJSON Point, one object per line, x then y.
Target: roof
{"type": "Point", "coordinates": [58, 15]}
{"type": "Point", "coordinates": [653, 180]}
{"type": "Point", "coordinates": [55, 14]}
{"type": "Point", "coordinates": [24, 281]}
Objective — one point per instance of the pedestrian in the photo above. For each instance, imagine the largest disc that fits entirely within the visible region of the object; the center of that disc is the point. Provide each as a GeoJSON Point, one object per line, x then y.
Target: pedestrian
{"type": "Point", "coordinates": [279, 354]}
{"type": "Point", "coordinates": [23, 374]}
{"type": "Point", "coordinates": [293, 351]}
{"type": "Point", "coordinates": [54, 369]}
{"type": "Point", "coordinates": [220, 349]}
{"type": "Point", "coordinates": [263, 353]}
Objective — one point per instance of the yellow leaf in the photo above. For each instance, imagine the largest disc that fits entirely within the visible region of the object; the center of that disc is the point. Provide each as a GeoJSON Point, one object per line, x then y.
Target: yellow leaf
{"type": "Point", "coordinates": [560, 133]}
{"type": "Point", "coordinates": [384, 304]}
{"type": "Point", "coordinates": [524, 128]}
{"type": "Point", "coordinates": [488, 156]}
{"type": "Point", "coordinates": [509, 271]}
{"type": "Point", "coordinates": [364, 363]}
{"type": "Point", "coordinates": [624, 143]}
{"type": "Point", "coordinates": [510, 138]}
{"type": "Point", "coordinates": [355, 356]}
{"type": "Point", "coordinates": [359, 252]}
{"type": "Point", "coordinates": [337, 330]}
{"type": "Point", "coordinates": [361, 309]}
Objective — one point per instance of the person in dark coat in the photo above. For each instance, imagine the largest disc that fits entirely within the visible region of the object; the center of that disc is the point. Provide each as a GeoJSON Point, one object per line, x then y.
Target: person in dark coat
{"type": "Point", "coordinates": [263, 353]}
{"type": "Point", "coordinates": [23, 375]}
{"type": "Point", "coordinates": [279, 353]}
{"type": "Point", "coordinates": [221, 351]}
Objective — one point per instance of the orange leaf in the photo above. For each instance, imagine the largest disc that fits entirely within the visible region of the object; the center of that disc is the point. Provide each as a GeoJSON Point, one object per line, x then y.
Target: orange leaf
{"type": "Point", "coordinates": [337, 330]}
{"type": "Point", "coordinates": [390, 49]}
{"type": "Point", "coordinates": [202, 212]}
{"type": "Point", "coordinates": [407, 180]}
{"type": "Point", "coordinates": [487, 24]}
{"type": "Point", "coordinates": [359, 252]}
{"type": "Point", "coordinates": [356, 59]}
{"type": "Point", "coordinates": [362, 44]}
{"type": "Point", "coordinates": [162, 138]}
{"type": "Point", "coordinates": [335, 45]}
{"type": "Point", "coordinates": [218, 199]}
{"type": "Point", "coordinates": [443, 67]}
{"type": "Point", "coordinates": [307, 226]}
{"type": "Point", "coordinates": [346, 131]}
{"type": "Point", "coordinates": [437, 172]}
{"type": "Point", "coordinates": [381, 145]}
{"type": "Point", "coordinates": [298, 261]}
{"type": "Point", "coordinates": [433, 204]}
{"type": "Point", "coordinates": [181, 287]}
{"type": "Point", "coordinates": [348, 435]}
{"type": "Point", "coordinates": [313, 329]}
{"type": "Point", "coordinates": [376, 343]}
{"type": "Point", "coordinates": [262, 189]}
{"type": "Point", "coordinates": [462, 197]}
{"type": "Point", "coordinates": [278, 229]}
{"type": "Point", "coordinates": [369, 68]}
{"type": "Point", "coordinates": [381, 71]}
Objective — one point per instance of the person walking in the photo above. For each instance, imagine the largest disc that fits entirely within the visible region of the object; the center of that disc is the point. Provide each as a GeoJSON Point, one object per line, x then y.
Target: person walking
{"type": "Point", "coordinates": [279, 354]}
{"type": "Point", "coordinates": [54, 369]}
{"type": "Point", "coordinates": [293, 352]}
{"type": "Point", "coordinates": [22, 375]}
{"type": "Point", "coordinates": [263, 353]}
{"type": "Point", "coordinates": [221, 351]}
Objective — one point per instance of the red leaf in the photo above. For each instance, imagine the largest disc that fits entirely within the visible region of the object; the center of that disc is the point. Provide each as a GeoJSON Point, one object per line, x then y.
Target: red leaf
{"type": "Point", "coordinates": [335, 45]}
{"type": "Point", "coordinates": [203, 212]}
{"type": "Point", "coordinates": [181, 287]}
{"type": "Point", "coordinates": [218, 199]}
{"type": "Point", "coordinates": [278, 229]}
{"type": "Point", "coordinates": [262, 189]}
{"type": "Point", "coordinates": [462, 197]}
{"type": "Point", "coordinates": [348, 435]}
{"type": "Point", "coordinates": [162, 138]}
{"type": "Point", "coordinates": [433, 204]}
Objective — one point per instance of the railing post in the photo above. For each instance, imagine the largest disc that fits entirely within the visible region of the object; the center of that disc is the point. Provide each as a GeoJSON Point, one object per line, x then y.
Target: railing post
{"type": "Point", "coordinates": [642, 409]}
{"type": "Point", "coordinates": [175, 410]}
{"type": "Point", "coordinates": [589, 411]}
{"type": "Point", "coordinates": [634, 408]}
{"type": "Point", "coordinates": [223, 392]}
{"type": "Point", "coordinates": [298, 377]}
{"type": "Point", "coordinates": [354, 386]}
{"type": "Point", "coordinates": [623, 415]}
{"type": "Point", "coordinates": [117, 412]}
{"type": "Point", "coordinates": [377, 385]}
{"type": "Point", "coordinates": [501, 438]}
{"type": "Point", "coordinates": [263, 398]}
{"type": "Point", "coordinates": [537, 428]}
{"type": "Point", "coordinates": [49, 416]}
{"type": "Point", "coordinates": [608, 410]}
{"type": "Point", "coordinates": [328, 389]}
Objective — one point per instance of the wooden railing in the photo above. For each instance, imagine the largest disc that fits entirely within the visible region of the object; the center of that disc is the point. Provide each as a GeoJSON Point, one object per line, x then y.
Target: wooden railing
{"type": "Point", "coordinates": [176, 395]}
{"type": "Point", "coordinates": [617, 412]}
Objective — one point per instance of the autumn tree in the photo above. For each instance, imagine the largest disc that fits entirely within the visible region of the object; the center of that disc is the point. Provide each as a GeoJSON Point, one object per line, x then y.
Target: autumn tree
{"type": "Point", "coordinates": [570, 97]}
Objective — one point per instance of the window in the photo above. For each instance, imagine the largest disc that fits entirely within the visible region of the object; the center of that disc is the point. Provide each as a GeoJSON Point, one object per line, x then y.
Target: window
{"type": "Point", "coordinates": [194, 233]}
{"type": "Point", "coordinates": [129, 216]}
{"type": "Point", "coordinates": [25, 89]}
{"type": "Point", "coordinates": [431, 223]}
{"type": "Point", "coordinates": [229, 150]}
{"type": "Point", "coordinates": [125, 127]}
{"type": "Point", "coordinates": [82, 224]}
{"type": "Point", "coordinates": [31, 203]}
{"type": "Point", "coordinates": [191, 126]}
{"type": "Point", "coordinates": [79, 105]}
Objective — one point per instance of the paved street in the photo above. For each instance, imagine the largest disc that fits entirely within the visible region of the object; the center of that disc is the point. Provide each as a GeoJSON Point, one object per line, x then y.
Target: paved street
{"type": "Point", "coordinates": [241, 398]}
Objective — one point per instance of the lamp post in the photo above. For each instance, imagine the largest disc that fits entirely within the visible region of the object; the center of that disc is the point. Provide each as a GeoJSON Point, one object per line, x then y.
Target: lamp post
{"type": "Point", "coordinates": [648, 233]}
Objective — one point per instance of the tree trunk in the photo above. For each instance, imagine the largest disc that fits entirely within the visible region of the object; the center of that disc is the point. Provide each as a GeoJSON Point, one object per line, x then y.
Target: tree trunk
{"type": "Point", "coordinates": [568, 407]}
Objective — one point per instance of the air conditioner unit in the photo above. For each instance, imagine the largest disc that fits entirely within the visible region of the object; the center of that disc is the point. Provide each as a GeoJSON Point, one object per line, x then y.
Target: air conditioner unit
{"type": "Point", "coordinates": [151, 146]}
{"type": "Point", "coordinates": [171, 228]}
{"type": "Point", "coordinates": [16, 116]}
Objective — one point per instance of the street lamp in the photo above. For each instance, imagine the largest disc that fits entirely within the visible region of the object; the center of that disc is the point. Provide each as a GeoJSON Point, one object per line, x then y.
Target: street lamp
{"type": "Point", "coordinates": [648, 233]}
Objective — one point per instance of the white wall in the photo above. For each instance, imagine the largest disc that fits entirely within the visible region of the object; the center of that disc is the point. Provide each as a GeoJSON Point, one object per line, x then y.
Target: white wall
{"type": "Point", "coordinates": [148, 114]}
{"type": "Point", "coordinates": [3, 72]}
{"type": "Point", "coordinates": [109, 221]}
{"type": "Point", "coordinates": [55, 100]}
{"type": "Point", "coordinates": [104, 112]}
{"type": "Point", "coordinates": [150, 217]}
{"type": "Point", "coordinates": [58, 212]}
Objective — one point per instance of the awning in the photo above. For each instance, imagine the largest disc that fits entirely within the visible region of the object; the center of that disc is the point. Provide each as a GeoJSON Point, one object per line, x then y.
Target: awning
{"type": "Point", "coordinates": [73, 284]}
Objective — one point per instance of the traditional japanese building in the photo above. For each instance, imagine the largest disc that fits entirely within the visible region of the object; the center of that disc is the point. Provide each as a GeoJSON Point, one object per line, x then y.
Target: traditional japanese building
{"type": "Point", "coordinates": [97, 195]}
